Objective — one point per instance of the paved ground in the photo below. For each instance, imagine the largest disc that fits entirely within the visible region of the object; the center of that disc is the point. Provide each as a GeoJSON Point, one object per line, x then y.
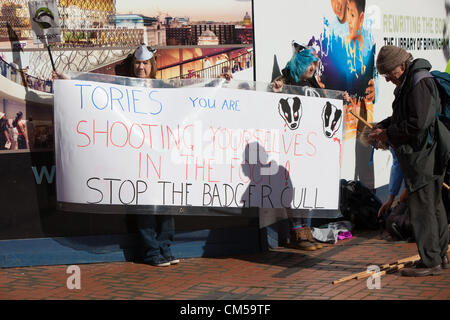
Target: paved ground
{"type": "Point", "coordinates": [280, 274]}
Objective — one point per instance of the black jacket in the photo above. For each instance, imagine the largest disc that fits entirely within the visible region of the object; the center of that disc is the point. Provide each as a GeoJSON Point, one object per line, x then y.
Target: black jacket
{"type": "Point", "coordinates": [409, 128]}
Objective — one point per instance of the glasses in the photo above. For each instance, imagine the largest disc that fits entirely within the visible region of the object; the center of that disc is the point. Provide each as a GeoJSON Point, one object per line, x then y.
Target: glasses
{"type": "Point", "coordinates": [394, 74]}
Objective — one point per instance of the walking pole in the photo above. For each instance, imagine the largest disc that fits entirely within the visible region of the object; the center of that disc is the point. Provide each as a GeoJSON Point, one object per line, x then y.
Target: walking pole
{"type": "Point", "coordinates": [50, 54]}
{"type": "Point", "coordinates": [361, 119]}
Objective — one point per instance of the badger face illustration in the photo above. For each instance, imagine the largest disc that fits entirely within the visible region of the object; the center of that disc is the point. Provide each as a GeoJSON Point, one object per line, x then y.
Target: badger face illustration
{"type": "Point", "coordinates": [44, 18]}
{"type": "Point", "coordinates": [332, 118]}
{"type": "Point", "coordinates": [291, 111]}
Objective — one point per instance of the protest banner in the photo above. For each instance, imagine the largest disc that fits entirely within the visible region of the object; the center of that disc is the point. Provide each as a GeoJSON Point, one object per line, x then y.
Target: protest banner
{"type": "Point", "coordinates": [196, 146]}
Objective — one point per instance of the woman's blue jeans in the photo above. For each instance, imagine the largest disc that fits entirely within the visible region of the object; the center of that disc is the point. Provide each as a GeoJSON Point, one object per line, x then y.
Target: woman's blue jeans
{"type": "Point", "coordinates": [157, 232]}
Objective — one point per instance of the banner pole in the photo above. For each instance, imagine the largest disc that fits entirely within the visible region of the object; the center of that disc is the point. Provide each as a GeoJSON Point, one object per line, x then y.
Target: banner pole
{"type": "Point", "coordinates": [50, 54]}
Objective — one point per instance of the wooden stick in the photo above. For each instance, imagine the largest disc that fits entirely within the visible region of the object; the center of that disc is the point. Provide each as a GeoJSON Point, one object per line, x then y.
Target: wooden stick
{"type": "Point", "coordinates": [383, 272]}
{"type": "Point", "coordinates": [361, 119]}
{"type": "Point", "coordinates": [384, 268]}
{"type": "Point", "coordinates": [365, 274]}
{"type": "Point", "coordinates": [446, 186]}
{"type": "Point", "coordinates": [350, 277]}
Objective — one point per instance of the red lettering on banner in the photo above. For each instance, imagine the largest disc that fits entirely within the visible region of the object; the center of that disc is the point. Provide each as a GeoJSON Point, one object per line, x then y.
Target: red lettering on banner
{"type": "Point", "coordinates": [198, 167]}
{"type": "Point", "coordinates": [157, 170]}
{"type": "Point", "coordinates": [187, 162]}
{"type": "Point", "coordinates": [296, 144]}
{"type": "Point", "coordinates": [142, 135]}
{"type": "Point", "coordinates": [311, 144]}
{"type": "Point", "coordinates": [170, 133]}
{"type": "Point", "coordinates": [286, 151]}
{"type": "Point", "coordinates": [249, 172]}
{"type": "Point", "coordinates": [231, 168]}
{"type": "Point", "coordinates": [150, 132]}
{"type": "Point", "coordinates": [126, 133]}
{"type": "Point", "coordinates": [240, 141]}
{"type": "Point", "coordinates": [191, 147]}
{"type": "Point", "coordinates": [210, 169]}
{"type": "Point", "coordinates": [86, 135]}
{"type": "Point", "coordinates": [94, 132]}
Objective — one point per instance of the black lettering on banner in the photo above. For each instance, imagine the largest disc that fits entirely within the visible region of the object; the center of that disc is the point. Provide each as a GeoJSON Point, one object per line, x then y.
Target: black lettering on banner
{"type": "Point", "coordinates": [164, 190]}
{"type": "Point", "coordinates": [137, 189]}
{"type": "Point", "coordinates": [120, 192]}
{"type": "Point", "coordinates": [266, 196]}
{"type": "Point", "coordinates": [110, 188]}
{"type": "Point", "coordinates": [99, 191]}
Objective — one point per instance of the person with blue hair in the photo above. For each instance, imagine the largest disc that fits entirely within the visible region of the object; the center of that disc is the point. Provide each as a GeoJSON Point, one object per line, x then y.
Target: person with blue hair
{"type": "Point", "coordinates": [300, 70]}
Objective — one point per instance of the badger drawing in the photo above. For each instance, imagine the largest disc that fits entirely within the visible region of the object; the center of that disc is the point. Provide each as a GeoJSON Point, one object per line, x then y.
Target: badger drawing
{"type": "Point", "coordinates": [332, 118]}
{"type": "Point", "coordinates": [291, 111]}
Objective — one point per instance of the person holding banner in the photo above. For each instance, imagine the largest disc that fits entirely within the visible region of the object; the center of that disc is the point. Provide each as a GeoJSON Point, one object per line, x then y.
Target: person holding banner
{"type": "Point", "coordinates": [300, 70]}
{"type": "Point", "coordinates": [156, 231]}
{"type": "Point", "coordinates": [408, 132]}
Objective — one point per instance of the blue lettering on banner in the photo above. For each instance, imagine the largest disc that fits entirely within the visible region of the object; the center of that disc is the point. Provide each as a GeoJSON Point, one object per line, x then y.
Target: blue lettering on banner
{"type": "Point", "coordinates": [156, 101]}
{"type": "Point", "coordinates": [93, 95]}
{"type": "Point", "coordinates": [135, 100]}
{"type": "Point", "coordinates": [209, 103]}
{"type": "Point", "coordinates": [132, 100]}
{"type": "Point", "coordinates": [116, 99]}
{"type": "Point", "coordinates": [44, 172]}
{"type": "Point", "coordinates": [81, 92]}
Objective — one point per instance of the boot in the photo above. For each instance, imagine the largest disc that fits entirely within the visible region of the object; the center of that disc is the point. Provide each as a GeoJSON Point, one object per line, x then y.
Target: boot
{"type": "Point", "coordinates": [299, 241]}
{"type": "Point", "coordinates": [309, 236]}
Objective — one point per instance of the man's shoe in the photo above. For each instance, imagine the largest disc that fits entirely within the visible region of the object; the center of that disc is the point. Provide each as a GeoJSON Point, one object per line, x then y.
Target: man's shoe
{"type": "Point", "coordinates": [157, 261]}
{"type": "Point", "coordinates": [421, 270]}
{"type": "Point", "coordinates": [445, 263]}
{"type": "Point", "coordinates": [302, 245]}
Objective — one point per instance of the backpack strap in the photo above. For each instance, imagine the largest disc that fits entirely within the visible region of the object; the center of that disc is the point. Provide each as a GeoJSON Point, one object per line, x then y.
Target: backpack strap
{"type": "Point", "coordinates": [417, 77]}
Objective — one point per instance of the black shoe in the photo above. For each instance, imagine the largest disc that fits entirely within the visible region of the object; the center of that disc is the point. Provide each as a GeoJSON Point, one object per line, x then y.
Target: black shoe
{"type": "Point", "coordinates": [420, 270]}
{"type": "Point", "coordinates": [445, 263]}
{"type": "Point", "coordinates": [157, 261]}
{"type": "Point", "coordinates": [172, 260]}
{"type": "Point", "coordinates": [396, 231]}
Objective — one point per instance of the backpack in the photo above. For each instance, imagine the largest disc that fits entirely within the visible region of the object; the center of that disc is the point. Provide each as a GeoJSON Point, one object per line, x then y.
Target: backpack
{"type": "Point", "coordinates": [398, 222]}
{"type": "Point", "coordinates": [442, 80]}
{"type": "Point", "coordinates": [359, 205]}
{"type": "Point", "coordinates": [442, 125]}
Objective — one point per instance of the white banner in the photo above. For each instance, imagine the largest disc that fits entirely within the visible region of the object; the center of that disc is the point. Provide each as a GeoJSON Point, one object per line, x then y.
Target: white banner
{"type": "Point", "coordinates": [208, 147]}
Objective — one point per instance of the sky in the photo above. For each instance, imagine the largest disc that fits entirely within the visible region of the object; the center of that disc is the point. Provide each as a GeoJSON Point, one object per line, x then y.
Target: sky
{"type": "Point", "coordinates": [197, 10]}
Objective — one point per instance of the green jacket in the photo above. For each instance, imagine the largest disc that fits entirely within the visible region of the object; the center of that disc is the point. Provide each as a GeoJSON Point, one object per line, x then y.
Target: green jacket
{"type": "Point", "coordinates": [408, 129]}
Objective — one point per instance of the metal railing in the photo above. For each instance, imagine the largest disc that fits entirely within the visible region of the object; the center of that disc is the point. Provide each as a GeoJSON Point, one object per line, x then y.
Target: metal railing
{"type": "Point", "coordinates": [74, 38]}
{"type": "Point", "coordinates": [21, 77]}
{"type": "Point", "coordinates": [242, 62]}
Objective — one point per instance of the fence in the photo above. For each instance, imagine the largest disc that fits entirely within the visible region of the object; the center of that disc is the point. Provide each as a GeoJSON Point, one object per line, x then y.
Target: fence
{"type": "Point", "coordinates": [21, 77]}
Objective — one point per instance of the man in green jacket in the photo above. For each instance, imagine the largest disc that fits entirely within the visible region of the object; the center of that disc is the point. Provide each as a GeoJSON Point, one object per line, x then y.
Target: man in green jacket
{"type": "Point", "coordinates": [408, 131]}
